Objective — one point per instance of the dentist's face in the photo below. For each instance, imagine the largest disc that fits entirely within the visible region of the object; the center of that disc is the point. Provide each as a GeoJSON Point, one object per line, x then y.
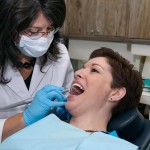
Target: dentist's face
{"type": "Point", "coordinates": [91, 87]}
{"type": "Point", "coordinates": [39, 27]}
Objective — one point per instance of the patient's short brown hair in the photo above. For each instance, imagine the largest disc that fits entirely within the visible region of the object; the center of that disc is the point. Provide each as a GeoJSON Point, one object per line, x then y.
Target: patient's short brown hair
{"type": "Point", "coordinates": [124, 75]}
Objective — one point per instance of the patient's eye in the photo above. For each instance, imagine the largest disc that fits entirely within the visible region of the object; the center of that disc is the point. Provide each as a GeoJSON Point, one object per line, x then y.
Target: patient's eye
{"type": "Point", "coordinates": [94, 70]}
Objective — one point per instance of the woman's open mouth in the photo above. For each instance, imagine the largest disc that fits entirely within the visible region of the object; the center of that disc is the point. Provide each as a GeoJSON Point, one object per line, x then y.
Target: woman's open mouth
{"type": "Point", "coordinates": [76, 89]}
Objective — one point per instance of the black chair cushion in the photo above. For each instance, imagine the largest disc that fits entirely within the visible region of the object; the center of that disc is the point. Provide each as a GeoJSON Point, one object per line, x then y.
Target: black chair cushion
{"type": "Point", "coordinates": [128, 124]}
{"type": "Point", "coordinates": [131, 126]}
{"type": "Point", "coordinates": [143, 140]}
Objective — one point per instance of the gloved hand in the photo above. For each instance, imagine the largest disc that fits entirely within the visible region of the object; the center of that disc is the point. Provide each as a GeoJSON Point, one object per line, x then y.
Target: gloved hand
{"type": "Point", "coordinates": [63, 114]}
{"type": "Point", "coordinates": [48, 97]}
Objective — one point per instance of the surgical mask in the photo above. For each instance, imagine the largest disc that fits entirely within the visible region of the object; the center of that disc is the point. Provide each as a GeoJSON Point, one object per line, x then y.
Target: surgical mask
{"type": "Point", "coordinates": [35, 47]}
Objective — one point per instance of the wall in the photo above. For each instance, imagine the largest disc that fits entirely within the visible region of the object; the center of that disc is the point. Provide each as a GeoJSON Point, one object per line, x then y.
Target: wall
{"type": "Point", "coordinates": [81, 49]}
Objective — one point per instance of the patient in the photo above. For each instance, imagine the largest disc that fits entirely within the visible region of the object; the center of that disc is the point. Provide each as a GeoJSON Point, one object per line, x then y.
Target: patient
{"type": "Point", "coordinates": [106, 86]}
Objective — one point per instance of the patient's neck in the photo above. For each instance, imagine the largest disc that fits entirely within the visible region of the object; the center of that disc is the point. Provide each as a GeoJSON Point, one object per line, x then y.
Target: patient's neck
{"type": "Point", "coordinates": [98, 122]}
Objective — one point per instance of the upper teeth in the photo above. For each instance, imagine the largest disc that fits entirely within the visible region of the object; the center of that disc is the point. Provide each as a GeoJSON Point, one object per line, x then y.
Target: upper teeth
{"type": "Point", "coordinates": [80, 86]}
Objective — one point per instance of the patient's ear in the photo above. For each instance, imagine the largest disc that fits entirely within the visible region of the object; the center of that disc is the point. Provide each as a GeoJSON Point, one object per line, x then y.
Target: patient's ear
{"type": "Point", "coordinates": [117, 94]}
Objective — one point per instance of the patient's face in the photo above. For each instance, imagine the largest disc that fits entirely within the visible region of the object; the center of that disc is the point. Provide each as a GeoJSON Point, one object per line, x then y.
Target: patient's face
{"type": "Point", "coordinates": [91, 87]}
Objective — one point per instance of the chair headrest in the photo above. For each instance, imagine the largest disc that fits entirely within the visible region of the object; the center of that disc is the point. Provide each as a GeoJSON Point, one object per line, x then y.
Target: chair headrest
{"type": "Point", "coordinates": [127, 124]}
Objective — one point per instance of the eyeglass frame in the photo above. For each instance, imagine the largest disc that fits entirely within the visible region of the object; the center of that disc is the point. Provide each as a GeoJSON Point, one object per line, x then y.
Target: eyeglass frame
{"type": "Point", "coordinates": [42, 33]}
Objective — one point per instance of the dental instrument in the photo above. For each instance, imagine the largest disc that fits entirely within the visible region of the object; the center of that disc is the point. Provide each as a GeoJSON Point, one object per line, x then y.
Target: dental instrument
{"type": "Point", "coordinates": [65, 92]}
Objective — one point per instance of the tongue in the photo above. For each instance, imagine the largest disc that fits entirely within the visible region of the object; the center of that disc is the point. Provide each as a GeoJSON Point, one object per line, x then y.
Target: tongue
{"type": "Point", "coordinates": [76, 90]}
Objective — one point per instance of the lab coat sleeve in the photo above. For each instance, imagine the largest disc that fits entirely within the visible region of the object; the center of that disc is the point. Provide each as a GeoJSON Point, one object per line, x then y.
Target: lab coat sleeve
{"type": "Point", "coordinates": [69, 72]}
{"type": "Point", "coordinates": [2, 121]}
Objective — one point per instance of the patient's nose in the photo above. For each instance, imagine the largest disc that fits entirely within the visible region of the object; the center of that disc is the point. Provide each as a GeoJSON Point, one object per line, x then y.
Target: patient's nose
{"type": "Point", "coordinates": [79, 73]}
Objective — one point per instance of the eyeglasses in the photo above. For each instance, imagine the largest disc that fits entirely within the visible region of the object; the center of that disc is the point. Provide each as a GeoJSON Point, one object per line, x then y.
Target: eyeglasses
{"type": "Point", "coordinates": [37, 35]}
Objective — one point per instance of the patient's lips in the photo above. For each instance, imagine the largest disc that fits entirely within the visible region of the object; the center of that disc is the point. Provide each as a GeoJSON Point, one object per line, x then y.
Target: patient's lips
{"type": "Point", "coordinates": [76, 89]}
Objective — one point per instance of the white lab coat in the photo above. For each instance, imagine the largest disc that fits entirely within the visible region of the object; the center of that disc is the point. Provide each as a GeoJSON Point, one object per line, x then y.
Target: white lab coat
{"type": "Point", "coordinates": [58, 73]}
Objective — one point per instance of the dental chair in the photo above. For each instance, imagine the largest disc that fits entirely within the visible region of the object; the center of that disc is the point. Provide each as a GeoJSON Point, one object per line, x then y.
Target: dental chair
{"type": "Point", "coordinates": [133, 127]}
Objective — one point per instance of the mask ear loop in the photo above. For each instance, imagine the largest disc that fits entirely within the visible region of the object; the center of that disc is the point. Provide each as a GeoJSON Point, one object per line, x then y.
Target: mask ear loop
{"type": "Point", "coordinates": [56, 30]}
{"type": "Point", "coordinates": [52, 33]}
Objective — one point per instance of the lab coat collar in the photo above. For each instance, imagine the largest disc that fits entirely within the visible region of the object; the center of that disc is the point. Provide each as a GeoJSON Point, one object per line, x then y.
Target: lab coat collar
{"type": "Point", "coordinates": [37, 75]}
{"type": "Point", "coordinates": [17, 83]}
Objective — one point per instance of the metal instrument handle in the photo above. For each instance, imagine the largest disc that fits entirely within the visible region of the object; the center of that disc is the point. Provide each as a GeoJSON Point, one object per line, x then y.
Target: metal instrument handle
{"type": "Point", "coordinates": [26, 101]}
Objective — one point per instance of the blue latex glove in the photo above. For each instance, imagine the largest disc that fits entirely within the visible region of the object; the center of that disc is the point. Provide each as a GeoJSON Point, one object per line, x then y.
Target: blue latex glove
{"type": "Point", "coordinates": [48, 97]}
{"type": "Point", "coordinates": [63, 114]}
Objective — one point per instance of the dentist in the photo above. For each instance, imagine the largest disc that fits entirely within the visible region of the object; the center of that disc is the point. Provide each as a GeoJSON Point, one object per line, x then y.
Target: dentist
{"type": "Point", "coordinates": [31, 56]}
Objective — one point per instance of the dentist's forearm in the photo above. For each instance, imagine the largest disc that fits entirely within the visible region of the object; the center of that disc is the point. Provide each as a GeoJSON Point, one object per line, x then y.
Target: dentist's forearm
{"type": "Point", "coordinates": [12, 125]}
{"type": "Point", "coordinates": [43, 102]}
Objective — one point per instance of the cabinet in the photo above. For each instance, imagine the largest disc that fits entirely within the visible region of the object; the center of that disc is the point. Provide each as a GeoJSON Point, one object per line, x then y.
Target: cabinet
{"type": "Point", "coordinates": [96, 19]}
{"type": "Point", "coordinates": [76, 17]}
{"type": "Point", "coordinates": [92, 18]}
{"type": "Point", "coordinates": [139, 23]}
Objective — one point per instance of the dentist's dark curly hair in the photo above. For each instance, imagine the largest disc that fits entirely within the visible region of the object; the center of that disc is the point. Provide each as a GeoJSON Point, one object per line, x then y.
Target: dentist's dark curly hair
{"type": "Point", "coordinates": [16, 16]}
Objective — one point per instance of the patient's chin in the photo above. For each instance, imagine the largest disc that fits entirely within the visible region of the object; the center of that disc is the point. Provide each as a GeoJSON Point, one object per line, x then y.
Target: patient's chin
{"type": "Point", "coordinates": [68, 106]}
